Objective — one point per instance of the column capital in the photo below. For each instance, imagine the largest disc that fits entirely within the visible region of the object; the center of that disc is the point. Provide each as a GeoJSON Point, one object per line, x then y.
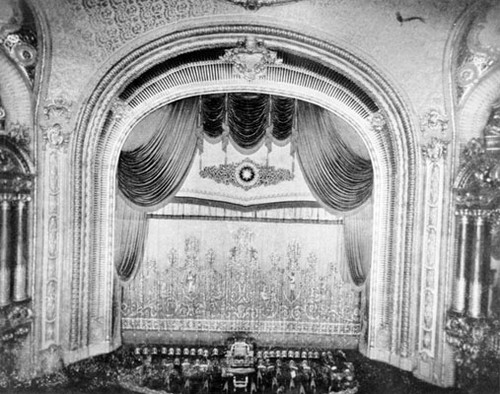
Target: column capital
{"type": "Point", "coordinates": [5, 199]}
{"type": "Point", "coordinates": [463, 212]}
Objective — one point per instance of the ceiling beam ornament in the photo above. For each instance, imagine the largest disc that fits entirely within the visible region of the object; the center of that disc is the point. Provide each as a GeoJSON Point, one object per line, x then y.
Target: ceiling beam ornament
{"type": "Point", "coordinates": [254, 5]}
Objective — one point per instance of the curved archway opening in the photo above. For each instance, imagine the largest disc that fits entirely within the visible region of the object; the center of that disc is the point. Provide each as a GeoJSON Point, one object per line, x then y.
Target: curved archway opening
{"type": "Point", "coordinates": [111, 115]}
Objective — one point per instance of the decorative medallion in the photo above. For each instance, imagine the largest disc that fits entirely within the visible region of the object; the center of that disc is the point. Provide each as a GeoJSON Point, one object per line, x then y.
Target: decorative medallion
{"type": "Point", "coordinates": [256, 4]}
{"type": "Point", "coordinates": [246, 174]}
{"type": "Point", "coordinates": [55, 137]}
{"type": "Point", "coordinates": [251, 58]}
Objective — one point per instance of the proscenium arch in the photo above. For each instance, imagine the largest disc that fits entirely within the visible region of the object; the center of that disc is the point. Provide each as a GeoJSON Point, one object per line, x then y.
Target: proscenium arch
{"type": "Point", "coordinates": [99, 137]}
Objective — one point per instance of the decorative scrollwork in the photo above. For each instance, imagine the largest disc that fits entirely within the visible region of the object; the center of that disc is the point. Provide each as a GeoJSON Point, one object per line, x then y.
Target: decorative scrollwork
{"type": "Point", "coordinates": [250, 58]}
{"type": "Point", "coordinates": [434, 121]}
{"type": "Point", "coordinates": [247, 174]}
{"type": "Point", "coordinates": [21, 47]}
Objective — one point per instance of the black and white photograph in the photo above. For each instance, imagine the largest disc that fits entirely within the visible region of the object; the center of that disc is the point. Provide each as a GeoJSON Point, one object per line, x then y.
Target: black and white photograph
{"type": "Point", "coordinates": [250, 196]}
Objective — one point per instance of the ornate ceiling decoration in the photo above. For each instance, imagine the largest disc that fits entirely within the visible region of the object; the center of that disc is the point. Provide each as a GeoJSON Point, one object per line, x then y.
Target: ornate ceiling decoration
{"type": "Point", "coordinates": [256, 4]}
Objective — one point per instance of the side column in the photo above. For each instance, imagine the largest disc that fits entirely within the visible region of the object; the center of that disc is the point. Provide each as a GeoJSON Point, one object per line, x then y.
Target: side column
{"type": "Point", "coordinates": [20, 270]}
{"type": "Point", "coordinates": [460, 282]}
{"type": "Point", "coordinates": [479, 258]}
{"type": "Point", "coordinates": [5, 268]}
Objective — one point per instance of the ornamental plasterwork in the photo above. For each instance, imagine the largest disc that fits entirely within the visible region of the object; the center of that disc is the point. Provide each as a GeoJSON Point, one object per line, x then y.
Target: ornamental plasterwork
{"type": "Point", "coordinates": [57, 114]}
{"type": "Point", "coordinates": [435, 150]}
{"type": "Point", "coordinates": [250, 59]}
{"type": "Point", "coordinates": [19, 133]}
{"type": "Point", "coordinates": [246, 174]}
{"type": "Point", "coordinates": [256, 4]}
{"type": "Point", "coordinates": [19, 42]}
{"type": "Point", "coordinates": [433, 120]}
{"type": "Point", "coordinates": [101, 27]}
{"type": "Point", "coordinates": [377, 121]}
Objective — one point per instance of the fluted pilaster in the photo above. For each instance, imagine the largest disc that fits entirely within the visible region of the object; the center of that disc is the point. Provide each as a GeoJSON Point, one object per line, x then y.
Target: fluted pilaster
{"type": "Point", "coordinates": [460, 283]}
{"type": "Point", "coordinates": [5, 269]}
{"type": "Point", "coordinates": [479, 258]}
{"type": "Point", "coordinates": [20, 270]}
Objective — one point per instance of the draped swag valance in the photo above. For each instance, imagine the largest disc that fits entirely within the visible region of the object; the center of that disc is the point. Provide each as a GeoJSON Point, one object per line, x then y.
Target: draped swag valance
{"type": "Point", "coordinates": [150, 173]}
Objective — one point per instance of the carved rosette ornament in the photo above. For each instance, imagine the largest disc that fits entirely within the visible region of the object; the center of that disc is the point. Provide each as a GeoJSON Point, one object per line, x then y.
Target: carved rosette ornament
{"type": "Point", "coordinates": [250, 59]}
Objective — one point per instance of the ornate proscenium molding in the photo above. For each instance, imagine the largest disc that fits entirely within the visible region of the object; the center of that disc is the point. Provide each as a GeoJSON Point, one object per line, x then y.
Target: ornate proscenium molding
{"type": "Point", "coordinates": [250, 58]}
{"type": "Point", "coordinates": [256, 4]}
{"type": "Point", "coordinates": [246, 174]}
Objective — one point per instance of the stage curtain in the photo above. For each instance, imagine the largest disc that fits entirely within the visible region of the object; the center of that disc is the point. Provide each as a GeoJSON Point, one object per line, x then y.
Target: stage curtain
{"type": "Point", "coordinates": [248, 118]}
{"type": "Point", "coordinates": [358, 235]}
{"type": "Point", "coordinates": [341, 180]}
{"type": "Point", "coordinates": [338, 177]}
{"type": "Point", "coordinates": [131, 227]}
{"type": "Point", "coordinates": [151, 173]}
{"type": "Point", "coordinates": [149, 176]}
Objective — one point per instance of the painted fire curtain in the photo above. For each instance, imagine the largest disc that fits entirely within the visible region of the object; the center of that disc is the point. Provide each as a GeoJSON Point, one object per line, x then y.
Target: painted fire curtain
{"type": "Point", "coordinates": [150, 174]}
{"type": "Point", "coordinates": [276, 281]}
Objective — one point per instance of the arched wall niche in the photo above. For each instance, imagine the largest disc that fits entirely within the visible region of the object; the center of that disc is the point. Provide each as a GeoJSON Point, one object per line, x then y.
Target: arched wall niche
{"type": "Point", "coordinates": [105, 122]}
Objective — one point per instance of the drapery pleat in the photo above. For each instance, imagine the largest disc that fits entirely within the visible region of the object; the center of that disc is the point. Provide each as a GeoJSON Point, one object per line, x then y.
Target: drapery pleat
{"type": "Point", "coordinates": [358, 235]}
{"type": "Point", "coordinates": [213, 111]}
{"type": "Point", "coordinates": [248, 118]}
{"type": "Point", "coordinates": [338, 177]}
{"type": "Point", "coordinates": [130, 235]}
{"type": "Point", "coordinates": [148, 176]}
{"type": "Point", "coordinates": [151, 173]}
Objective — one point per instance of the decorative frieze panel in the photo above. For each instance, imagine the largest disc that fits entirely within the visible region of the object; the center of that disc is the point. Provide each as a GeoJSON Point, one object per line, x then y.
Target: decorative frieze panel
{"type": "Point", "coordinates": [54, 125]}
{"type": "Point", "coordinates": [247, 174]}
{"type": "Point", "coordinates": [434, 155]}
